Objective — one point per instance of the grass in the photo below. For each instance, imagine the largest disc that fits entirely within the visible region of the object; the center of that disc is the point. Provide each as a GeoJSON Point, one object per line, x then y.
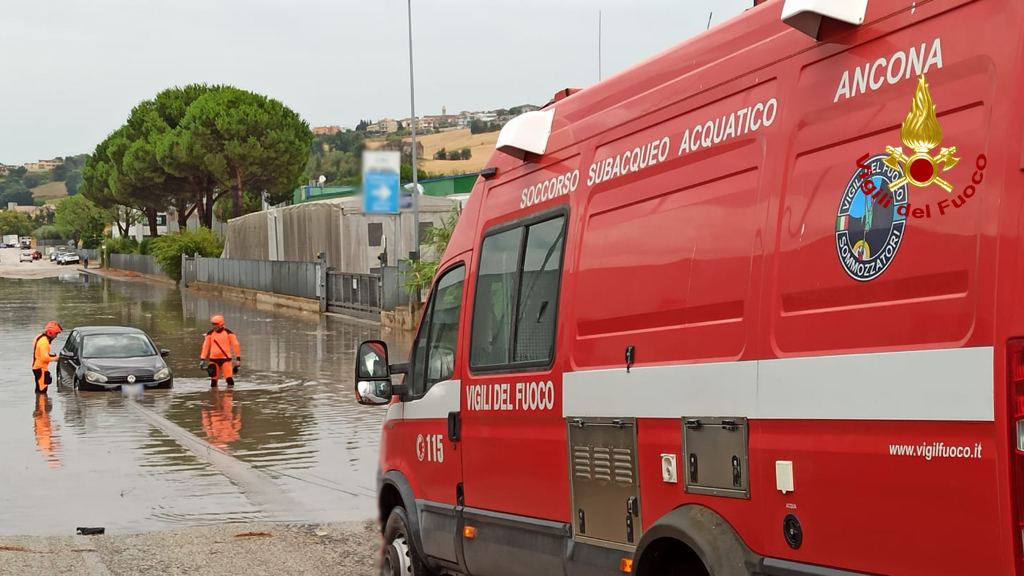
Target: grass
{"type": "Point", "coordinates": [50, 191]}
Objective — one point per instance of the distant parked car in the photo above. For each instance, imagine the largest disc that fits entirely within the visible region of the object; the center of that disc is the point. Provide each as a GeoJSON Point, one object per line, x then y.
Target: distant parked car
{"type": "Point", "coordinates": [26, 256]}
{"type": "Point", "coordinates": [56, 252]}
{"type": "Point", "coordinates": [37, 255]}
{"type": "Point", "coordinates": [108, 357]}
{"type": "Point", "coordinates": [65, 258]}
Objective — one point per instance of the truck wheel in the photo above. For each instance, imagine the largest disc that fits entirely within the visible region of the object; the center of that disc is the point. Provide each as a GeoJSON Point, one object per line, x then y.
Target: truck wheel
{"type": "Point", "coordinates": [399, 558]}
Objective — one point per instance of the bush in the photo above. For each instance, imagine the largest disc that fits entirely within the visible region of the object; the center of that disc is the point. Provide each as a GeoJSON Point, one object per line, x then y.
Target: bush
{"type": "Point", "coordinates": [168, 249]}
{"type": "Point", "coordinates": [49, 232]}
{"type": "Point", "coordinates": [121, 245]}
{"type": "Point", "coordinates": [145, 246]}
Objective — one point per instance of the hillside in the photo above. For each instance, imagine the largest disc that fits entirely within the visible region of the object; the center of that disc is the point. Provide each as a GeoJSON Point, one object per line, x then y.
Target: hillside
{"type": "Point", "coordinates": [482, 146]}
{"type": "Point", "coordinates": [50, 191]}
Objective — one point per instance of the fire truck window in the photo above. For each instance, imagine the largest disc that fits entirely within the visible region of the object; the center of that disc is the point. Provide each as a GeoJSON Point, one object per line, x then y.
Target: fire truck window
{"type": "Point", "coordinates": [438, 335]}
{"type": "Point", "coordinates": [535, 321]}
{"type": "Point", "coordinates": [495, 299]}
{"type": "Point", "coordinates": [444, 326]}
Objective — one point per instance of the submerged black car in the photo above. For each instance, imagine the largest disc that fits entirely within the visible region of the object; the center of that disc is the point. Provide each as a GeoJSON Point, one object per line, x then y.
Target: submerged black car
{"type": "Point", "coordinates": [108, 357]}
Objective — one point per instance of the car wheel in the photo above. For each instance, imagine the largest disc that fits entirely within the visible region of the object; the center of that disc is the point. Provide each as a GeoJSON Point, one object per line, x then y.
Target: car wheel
{"type": "Point", "coordinates": [400, 558]}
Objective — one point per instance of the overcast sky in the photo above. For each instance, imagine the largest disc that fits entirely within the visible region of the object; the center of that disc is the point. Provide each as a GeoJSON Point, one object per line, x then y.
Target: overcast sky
{"type": "Point", "coordinates": [73, 69]}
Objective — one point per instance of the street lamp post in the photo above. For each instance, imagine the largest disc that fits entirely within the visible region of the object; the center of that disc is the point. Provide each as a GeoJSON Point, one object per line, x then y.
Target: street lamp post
{"type": "Point", "coordinates": [415, 183]}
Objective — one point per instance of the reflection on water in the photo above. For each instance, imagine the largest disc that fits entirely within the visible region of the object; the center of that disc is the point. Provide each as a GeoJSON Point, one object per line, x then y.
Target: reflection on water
{"type": "Point", "coordinates": [48, 445]}
{"type": "Point", "coordinates": [222, 421]}
{"type": "Point", "coordinates": [92, 460]}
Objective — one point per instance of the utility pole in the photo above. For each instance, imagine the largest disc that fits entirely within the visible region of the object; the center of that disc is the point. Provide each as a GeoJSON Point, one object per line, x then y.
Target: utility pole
{"type": "Point", "coordinates": [415, 183]}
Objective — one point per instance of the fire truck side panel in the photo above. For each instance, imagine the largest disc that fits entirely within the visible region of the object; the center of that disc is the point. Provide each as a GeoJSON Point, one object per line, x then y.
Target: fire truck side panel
{"type": "Point", "coordinates": [731, 269]}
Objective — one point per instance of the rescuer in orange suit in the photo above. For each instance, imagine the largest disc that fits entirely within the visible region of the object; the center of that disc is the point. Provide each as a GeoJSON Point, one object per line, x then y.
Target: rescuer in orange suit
{"type": "Point", "coordinates": [215, 357]}
{"type": "Point", "coordinates": [41, 356]}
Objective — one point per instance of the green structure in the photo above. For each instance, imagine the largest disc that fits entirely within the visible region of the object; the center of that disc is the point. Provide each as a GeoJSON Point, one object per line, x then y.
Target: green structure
{"type": "Point", "coordinates": [443, 186]}
{"type": "Point", "coordinates": [313, 193]}
{"type": "Point", "coordinates": [448, 185]}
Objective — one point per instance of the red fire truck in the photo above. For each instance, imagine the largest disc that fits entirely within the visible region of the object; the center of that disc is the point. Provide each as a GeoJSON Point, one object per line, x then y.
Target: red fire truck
{"type": "Point", "coordinates": [749, 307]}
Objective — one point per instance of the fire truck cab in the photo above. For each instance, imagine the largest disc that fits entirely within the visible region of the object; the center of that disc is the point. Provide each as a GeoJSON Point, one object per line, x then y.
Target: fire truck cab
{"type": "Point", "coordinates": [749, 307]}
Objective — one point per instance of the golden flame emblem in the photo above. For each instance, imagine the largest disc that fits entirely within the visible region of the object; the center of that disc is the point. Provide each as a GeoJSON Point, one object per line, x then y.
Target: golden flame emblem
{"type": "Point", "coordinates": [921, 133]}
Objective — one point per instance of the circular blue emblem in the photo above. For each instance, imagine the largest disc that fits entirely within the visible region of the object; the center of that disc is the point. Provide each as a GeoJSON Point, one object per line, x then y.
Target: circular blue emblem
{"type": "Point", "coordinates": [869, 226]}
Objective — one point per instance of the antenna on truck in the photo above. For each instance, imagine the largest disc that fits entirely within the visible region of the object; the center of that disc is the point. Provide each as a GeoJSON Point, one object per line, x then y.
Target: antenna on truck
{"type": "Point", "coordinates": [710, 14]}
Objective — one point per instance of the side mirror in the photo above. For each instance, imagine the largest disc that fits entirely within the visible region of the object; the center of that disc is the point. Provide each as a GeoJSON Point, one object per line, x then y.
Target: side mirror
{"type": "Point", "coordinates": [164, 353]}
{"type": "Point", "coordinates": [372, 361]}
{"type": "Point", "coordinates": [374, 392]}
{"type": "Point", "coordinates": [373, 376]}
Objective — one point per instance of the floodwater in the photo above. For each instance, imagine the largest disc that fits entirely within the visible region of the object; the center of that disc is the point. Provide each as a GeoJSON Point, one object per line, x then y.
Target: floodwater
{"type": "Point", "coordinates": [288, 443]}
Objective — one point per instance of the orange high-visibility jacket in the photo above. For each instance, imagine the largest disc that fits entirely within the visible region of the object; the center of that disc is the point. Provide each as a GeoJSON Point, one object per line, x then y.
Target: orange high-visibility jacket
{"type": "Point", "coordinates": [219, 345]}
{"type": "Point", "coordinates": [41, 357]}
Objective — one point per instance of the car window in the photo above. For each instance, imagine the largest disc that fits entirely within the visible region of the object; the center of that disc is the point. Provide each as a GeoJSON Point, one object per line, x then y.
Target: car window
{"type": "Point", "coordinates": [495, 299]}
{"type": "Point", "coordinates": [434, 350]}
{"type": "Point", "coordinates": [514, 309]}
{"type": "Point", "coordinates": [71, 345]}
{"type": "Point", "coordinates": [116, 346]}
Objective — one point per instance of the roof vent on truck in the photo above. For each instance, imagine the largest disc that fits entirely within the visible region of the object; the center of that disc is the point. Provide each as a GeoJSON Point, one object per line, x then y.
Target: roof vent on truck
{"type": "Point", "coordinates": [807, 15]}
{"type": "Point", "coordinates": [528, 132]}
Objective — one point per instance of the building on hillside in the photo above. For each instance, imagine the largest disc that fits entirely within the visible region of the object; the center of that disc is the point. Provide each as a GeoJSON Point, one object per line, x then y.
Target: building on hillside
{"type": "Point", "coordinates": [351, 240]}
{"type": "Point", "coordinates": [327, 130]}
{"type": "Point", "coordinates": [423, 123]}
{"type": "Point", "coordinates": [5, 169]}
{"type": "Point", "coordinates": [385, 126]}
{"type": "Point", "coordinates": [30, 211]}
{"type": "Point", "coordinates": [44, 165]}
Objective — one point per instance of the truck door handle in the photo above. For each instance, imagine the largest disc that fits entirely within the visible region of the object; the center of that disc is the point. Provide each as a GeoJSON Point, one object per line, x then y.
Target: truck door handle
{"type": "Point", "coordinates": [454, 426]}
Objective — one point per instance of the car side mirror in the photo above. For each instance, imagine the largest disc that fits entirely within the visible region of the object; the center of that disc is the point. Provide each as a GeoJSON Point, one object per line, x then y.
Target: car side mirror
{"type": "Point", "coordinates": [373, 375]}
{"type": "Point", "coordinates": [374, 392]}
{"type": "Point", "coordinates": [164, 353]}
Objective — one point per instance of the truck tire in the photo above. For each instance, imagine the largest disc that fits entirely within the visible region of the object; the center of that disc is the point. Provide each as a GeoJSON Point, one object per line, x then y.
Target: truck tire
{"type": "Point", "coordinates": [400, 557]}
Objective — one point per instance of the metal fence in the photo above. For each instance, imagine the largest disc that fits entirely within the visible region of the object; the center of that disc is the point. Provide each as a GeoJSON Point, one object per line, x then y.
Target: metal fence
{"type": "Point", "coordinates": [299, 279]}
{"type": "Point", "coordinates": [348, 291]}
{"type": "Point", "coordinates": [141, 263]}
{"type": "Point", "coordinates": [393, 292]}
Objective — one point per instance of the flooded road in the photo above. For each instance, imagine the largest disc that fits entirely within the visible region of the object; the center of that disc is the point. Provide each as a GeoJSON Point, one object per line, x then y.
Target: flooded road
{"type": "Point", "coordinates": [287, 443]}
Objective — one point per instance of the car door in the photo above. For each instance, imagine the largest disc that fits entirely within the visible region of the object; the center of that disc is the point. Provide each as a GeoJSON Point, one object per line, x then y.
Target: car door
{"type": "Point", "coordinates": [416, 429]}
{"type": "Point", "coordinates": [68, 361]}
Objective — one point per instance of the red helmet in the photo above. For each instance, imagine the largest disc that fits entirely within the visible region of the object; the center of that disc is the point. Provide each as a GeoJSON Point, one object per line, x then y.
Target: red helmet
{"type": "Point", "coordinates": [217, 320]}
{"type": "Point", "coordinates": [52, 329]}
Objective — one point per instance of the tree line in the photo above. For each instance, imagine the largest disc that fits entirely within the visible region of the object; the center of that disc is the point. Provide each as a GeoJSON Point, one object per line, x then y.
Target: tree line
{"type": "Point", "coordinates": [196, 148]}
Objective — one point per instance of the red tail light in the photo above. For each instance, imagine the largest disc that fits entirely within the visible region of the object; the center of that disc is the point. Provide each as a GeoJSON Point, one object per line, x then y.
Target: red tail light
{"type": "Point", "coordinates": [1015, 385]}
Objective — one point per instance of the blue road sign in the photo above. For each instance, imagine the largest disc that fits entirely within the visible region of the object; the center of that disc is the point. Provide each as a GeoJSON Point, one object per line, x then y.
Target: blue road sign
{"type": "Point", "coordinates": [380, 193]}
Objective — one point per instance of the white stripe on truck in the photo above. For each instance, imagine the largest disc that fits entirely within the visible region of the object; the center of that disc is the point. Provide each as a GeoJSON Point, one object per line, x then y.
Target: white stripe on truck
{"type": "Point", "coordinates": [952, 384]}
